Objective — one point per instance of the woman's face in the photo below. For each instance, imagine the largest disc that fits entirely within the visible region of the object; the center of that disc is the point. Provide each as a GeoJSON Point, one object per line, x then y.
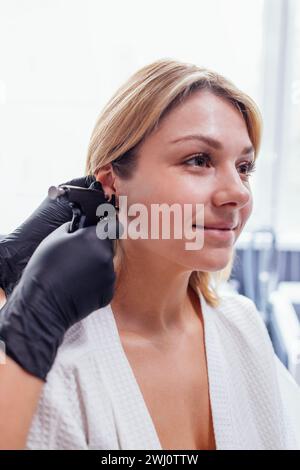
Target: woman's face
{"type": "Point", "coordinates": [169, 173]}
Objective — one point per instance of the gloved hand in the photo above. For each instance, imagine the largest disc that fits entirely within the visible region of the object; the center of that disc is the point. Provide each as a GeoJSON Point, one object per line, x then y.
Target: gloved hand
{"type": "Point", "coordinates": [69, 276]}
{"type": "Point", "coordinates": [17, 247]}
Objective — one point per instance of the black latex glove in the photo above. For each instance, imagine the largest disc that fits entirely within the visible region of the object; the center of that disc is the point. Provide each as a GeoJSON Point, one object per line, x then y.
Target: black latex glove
{"type": "Point", "coordinates": [68, 276]}
{"type": "Point", "coordinates": [17, 248]}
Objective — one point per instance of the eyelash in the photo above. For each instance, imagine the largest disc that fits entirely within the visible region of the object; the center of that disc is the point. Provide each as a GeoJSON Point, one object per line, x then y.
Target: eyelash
{"type": "Point", "coordinates": [251, 167]}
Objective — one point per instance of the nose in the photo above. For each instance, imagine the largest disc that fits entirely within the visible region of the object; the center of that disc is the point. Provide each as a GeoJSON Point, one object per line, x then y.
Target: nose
{"type": "Point", "coordinates": [231, 188]}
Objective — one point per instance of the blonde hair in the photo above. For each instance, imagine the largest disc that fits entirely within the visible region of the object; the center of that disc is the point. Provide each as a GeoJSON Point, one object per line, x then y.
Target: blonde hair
{"type": "Point", "coordinates": [136, 110]}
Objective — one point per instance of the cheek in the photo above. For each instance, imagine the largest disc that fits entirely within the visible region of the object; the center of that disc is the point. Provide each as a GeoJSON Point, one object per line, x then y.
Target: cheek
{"type": "Point", "coordinates": [247, 209]}
{"type": "Point", "coordinates": [163, 188]}
{"type": "Point", "coordinates": [245, 213]}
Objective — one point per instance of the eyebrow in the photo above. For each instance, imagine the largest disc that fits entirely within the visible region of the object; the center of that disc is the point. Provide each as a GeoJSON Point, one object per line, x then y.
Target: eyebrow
{"type": "Point", "coordinates": [211, 142]}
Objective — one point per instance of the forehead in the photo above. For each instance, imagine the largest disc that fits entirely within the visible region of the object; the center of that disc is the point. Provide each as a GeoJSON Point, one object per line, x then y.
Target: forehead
{"type": "Point", "coordinates": [205, 113]}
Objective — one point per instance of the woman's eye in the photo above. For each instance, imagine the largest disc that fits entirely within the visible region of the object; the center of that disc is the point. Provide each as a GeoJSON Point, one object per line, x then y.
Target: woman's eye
{"type": "Point", "coordinates": [249, 168]}
{"type": "Point", "coordinates": [201, 159]}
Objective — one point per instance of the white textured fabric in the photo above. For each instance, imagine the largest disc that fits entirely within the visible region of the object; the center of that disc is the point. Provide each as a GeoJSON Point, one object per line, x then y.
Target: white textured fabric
{"type": "Point", "coordinates": [92, 400]}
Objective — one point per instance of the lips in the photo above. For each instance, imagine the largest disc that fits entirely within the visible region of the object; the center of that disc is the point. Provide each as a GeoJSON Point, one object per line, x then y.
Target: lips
{"type": "Point", "coordinates": [218, 227]}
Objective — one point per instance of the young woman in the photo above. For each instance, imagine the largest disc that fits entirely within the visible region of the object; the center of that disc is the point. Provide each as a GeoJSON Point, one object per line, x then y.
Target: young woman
{"type": "Point", "coordinates": [170, 362]}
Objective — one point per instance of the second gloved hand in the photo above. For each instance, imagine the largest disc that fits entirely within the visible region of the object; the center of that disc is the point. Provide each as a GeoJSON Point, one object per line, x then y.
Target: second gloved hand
{"type": "Point", "coordinates": [69, 276]}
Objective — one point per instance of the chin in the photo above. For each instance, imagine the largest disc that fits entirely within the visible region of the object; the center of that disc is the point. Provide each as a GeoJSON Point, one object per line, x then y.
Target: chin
{"type": "Point", "coordinates": [212, 262]}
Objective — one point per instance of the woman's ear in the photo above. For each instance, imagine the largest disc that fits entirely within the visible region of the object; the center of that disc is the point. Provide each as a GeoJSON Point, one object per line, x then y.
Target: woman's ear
{"type": "Point", "coordinates": [107, 178]}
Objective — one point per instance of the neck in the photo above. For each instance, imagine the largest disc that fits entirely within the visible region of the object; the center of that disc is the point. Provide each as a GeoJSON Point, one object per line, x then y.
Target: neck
{"type": "Point", "coordinates": [153, 297]}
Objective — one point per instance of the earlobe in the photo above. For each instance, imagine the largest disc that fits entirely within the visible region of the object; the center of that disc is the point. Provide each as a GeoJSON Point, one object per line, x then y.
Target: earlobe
{"type": "Point", "coordinates": [112, 200]}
